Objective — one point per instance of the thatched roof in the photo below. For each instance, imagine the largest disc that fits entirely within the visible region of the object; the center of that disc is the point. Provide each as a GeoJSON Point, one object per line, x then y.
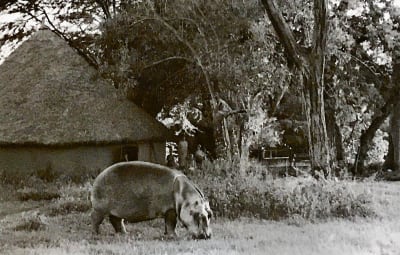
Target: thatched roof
{"type": "Point", "coordinates": [49, 95]}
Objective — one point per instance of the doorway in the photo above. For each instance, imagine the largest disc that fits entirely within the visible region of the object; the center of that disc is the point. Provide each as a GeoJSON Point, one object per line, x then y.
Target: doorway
{"type": "Point", "coordinates": [129, 153]}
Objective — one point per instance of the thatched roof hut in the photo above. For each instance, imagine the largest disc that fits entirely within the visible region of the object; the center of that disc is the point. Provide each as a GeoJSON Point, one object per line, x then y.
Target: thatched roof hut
{"type": "Point", "coordinates": [51, 96]}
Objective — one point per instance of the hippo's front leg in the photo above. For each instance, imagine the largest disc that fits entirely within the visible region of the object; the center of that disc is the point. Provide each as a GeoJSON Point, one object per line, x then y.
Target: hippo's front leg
{"type": "Point", "coordinates": [118, 224]}
{"type": "Point", "coordinates": [170, 222]}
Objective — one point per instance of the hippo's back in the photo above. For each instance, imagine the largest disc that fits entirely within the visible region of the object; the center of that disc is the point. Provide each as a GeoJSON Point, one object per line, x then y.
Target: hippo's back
{"type": "Point", "coordinates": [134, 190]}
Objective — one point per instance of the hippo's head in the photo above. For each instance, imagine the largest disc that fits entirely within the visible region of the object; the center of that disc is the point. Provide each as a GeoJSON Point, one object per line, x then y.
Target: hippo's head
{"type": "Point", "coordinates": [195, 216]}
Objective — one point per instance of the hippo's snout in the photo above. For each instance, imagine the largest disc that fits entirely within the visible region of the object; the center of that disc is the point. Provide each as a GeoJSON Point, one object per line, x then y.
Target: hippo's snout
{"type": "Point", "coordinates": [202, 236]}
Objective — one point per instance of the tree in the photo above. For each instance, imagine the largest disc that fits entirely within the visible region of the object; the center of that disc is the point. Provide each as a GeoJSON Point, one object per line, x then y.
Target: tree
{"type": "Point", "coordinates": [211, 49]}
{"type": "Point", "coordinates": [393, 157]}
{"type": "Point", "coordinates": [374, 33]}
{"type": "Point", "coordinates": [309, 63]}
{"type": "Point", "coordinates": [77, 22]}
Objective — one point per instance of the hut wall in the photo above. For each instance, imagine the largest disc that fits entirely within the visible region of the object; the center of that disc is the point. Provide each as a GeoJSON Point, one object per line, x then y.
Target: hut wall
{"type": "Point", "coordinates": [65, 160]}
{"type": "Point", "coordinates": [152, 152]}
{"type": "Point", "coordinates": [75, 160]}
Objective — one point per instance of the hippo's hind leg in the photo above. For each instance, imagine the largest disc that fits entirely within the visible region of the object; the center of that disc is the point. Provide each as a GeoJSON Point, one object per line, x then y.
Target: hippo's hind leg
{"type": "Point", "coordinates": [97, 219]}
{"type": "Point", "coordinates": [118, 224]}
{"type": "Point", "coordinates": [170, 222]}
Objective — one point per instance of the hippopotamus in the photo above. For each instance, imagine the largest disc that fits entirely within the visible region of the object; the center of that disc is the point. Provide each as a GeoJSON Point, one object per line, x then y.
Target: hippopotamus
{"type": "Point", "coordinates": [139, 191]}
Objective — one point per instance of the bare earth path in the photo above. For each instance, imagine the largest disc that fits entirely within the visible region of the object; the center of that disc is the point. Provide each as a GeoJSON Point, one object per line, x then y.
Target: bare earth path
{"type": "Point", "coordinates": [70, 234]}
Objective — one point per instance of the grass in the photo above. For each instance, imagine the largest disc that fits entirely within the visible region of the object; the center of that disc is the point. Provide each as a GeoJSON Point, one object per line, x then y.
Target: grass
{"type": "Point", "coordinates": [61, 226]}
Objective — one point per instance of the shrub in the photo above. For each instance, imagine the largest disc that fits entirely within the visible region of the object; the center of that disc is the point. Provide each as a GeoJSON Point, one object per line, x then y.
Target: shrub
{"type": "Point", "coordinates": [256, 194]}
{"type": "Point", "coordinates": [25, 194]}
{"type": "Point", "coordinates": [35, 189]}
{"type": "Point", "coordinates": [73, 198]}
{"type": "Point", "coordinates": [46, 174]}
{"type": "Point", "coordinates": [67, 207]}
{"type": "Point", "coordinates": [31, 222]}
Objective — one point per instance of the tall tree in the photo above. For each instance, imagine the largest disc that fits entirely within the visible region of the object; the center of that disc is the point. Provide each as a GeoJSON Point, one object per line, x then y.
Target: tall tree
{"type": "Point", "coordinates": [309, 64]}
{"type": "Point", "coordinates": [372, 48]}
{"type": "Point", "coordinates": [393, 157]}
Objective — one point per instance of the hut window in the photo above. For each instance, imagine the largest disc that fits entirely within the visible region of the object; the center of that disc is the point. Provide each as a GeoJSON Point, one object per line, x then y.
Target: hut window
{"type": "Point", "coordinates": [129, 153]}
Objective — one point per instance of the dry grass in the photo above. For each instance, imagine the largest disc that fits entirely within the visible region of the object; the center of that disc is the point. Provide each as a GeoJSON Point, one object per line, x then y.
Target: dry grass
{"type": "Point", "coordinates": [67, 231]}
{"type": "Point", "coordinates": [46, 82]}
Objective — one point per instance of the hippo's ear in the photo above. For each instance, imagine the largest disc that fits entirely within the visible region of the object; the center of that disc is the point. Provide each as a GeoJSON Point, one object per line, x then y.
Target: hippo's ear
{"type": "Point", "coordinates": [208, 210]}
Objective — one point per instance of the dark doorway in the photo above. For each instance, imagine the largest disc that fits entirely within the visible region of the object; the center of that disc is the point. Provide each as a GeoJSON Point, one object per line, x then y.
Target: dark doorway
{"type": "Point", "coordinates": [129, 153]}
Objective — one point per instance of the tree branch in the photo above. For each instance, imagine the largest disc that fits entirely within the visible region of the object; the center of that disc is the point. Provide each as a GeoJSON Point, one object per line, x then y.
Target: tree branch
{"type": "Point", "coordinates": [320, 27]}
{"type": "Point", "coordinates": [194, 53]}
{"type": "Point", "coordinates": [320, 37]}
{"type": "Point", "coordinates": [82, 52]}
{"type": "Point", "coordinates": [168, 59]}
{"type": "Point", "coordinates": [105, 7]}
{"type": "Point", "coordinates": [284, 33]}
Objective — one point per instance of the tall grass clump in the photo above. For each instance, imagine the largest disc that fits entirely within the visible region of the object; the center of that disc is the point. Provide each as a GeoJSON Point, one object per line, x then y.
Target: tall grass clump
{"type": "Point", "coordinates": [73, 198]}
{"type": "Point", "coordinates": [255, 193]}
{"type": "Point", "coordinates": [36, 189]}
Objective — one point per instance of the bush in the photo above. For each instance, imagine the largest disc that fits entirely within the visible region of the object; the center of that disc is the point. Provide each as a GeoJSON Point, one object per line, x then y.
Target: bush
{"type": "Point", "coordinates": [35, 189]}
{"type": "Point", "coordinates": [31, 222]}
{"type": "Point", "coordinates": [74, 198]}
{"type": "Point", "coordinates": [36, 194]}
{"type": "Point", "coordinates": [67, 207]}
{"type": "Point", "coordinates": [256, 194]}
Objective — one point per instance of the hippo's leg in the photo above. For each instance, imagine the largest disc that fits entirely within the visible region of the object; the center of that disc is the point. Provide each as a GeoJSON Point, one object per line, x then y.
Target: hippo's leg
{"type": "Point", "coordinates": [118, 224]}
{"type": "Point", "coordinates": [170, 222]}
{"type": "Point", "coordinates": [97, 219]}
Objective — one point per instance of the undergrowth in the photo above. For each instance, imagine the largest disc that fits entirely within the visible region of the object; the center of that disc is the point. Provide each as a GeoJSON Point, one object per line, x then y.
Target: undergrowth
{"type": "Point", "coordinates": [232, 194]}
{"type": "Point", "coordinates": [31, 221]}
{"type": "Point", "coordinates": [255, 193]}
{"type": "Point", "coordinates": [36, 189]}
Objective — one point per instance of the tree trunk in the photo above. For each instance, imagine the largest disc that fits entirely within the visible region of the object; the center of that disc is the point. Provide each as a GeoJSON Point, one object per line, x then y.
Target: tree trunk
{"type": "Point", "coordinates": [315, 114]}
{"type": "Point", "coordinates": [395, 121]}
{"type": "Point", "coordinates": [389, 159]}
{"type": "Point", "coordinates": [333, 132]}
{"type": "Point", "coordinates": [311, 65]}
{"type": "Point", "coordinates": [393, 158]}
{"type": "Point", "coordinates": [183, 154]}
{"type": "Point", "coordinates": [395, 137]}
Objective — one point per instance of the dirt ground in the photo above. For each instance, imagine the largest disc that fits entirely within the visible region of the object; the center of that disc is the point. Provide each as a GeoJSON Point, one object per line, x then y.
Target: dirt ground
{"type": "Point", "coordinates": [61, 226]}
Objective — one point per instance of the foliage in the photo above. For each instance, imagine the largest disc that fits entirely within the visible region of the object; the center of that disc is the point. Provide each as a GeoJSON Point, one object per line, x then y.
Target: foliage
{"type": "Point", "coordinates": [362, 36]}
{"type": "Point", "coordinates": [221, 53]}
{"type": "Point", "coordinates": [379, 148]}
{"type": "Point", "coordinates": [256, 194]}
{"type": "Point", "coordinates": [76, 21]}
{"type": "Point", "coordinates": [181, 118]}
